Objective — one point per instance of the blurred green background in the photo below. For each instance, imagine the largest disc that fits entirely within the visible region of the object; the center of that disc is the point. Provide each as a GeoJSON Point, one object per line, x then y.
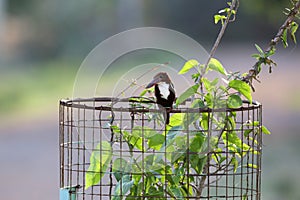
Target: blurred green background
{"type": "Point", "coordinates": [42, 44]}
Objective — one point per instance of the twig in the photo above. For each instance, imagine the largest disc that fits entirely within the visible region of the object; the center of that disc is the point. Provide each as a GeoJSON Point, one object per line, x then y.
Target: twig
{"type": "Point", "coordinates": [141, 76]}
{"type": "Point", "coordinates": [234, 6]}
{"type": "Point", "coordinates": [254, 71]}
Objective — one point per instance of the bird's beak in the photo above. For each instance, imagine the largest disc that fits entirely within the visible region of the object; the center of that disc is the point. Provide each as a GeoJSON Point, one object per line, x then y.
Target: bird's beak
{"type": "Point", "coordinates": [153, 82]}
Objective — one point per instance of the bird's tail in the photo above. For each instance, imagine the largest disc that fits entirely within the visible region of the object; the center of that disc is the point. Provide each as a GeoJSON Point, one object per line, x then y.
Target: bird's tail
{"type": "Point", "coordinates": [167, 117]}
{"type": "Point", "coordinates": [165, 113]}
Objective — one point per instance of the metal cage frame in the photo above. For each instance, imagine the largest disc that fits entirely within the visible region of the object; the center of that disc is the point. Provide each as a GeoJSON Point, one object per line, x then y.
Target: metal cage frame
{"type": "Point", "coordinates": [85, 123]}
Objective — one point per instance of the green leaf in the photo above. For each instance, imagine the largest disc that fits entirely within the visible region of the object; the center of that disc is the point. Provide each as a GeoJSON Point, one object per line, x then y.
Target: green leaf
{"type": "Point", "coordinates": [171, 136]}
{"type": "Point", "coordinates": [149, 90]}
{"type": "Point", "coordinates": [99, 162]}
{"type": "Point", "coordinates": [188, 65]}
{"type": "Point", "coordinates": [175, 191]}
{"type": "Point", "coordinates": [176, 119]}
{"type": "Point", "coordinates": [119, 168]}
{"type": "Point", "coordinates": [122, 187]}
{"type": "Point", "coordinates": [216, 65]}
{"type": "Point", "coordinates": [143, 131]}
{"type": "Point", "coordinates": [197, 141]}
{"type": "Point", "coordinates": [235, 163]}
{"type": "Point", "coordinates": [219, 18]}
{"type": "Point", "coordinates": [156, 141]}
{"type": "Point", "coordinates": [247, 132]}
{"type": "Point", "coordinates": [241, 87]}
{"type": "Point", "coordinates": [265, 130]}
{"type": "Point", "coordinates": [252, 166]}
{"type": "Point", "coordinates": [204, 121]}
{"type": "Point", "coordinates": [271, 52]}
{"type": "Point", "coordinates": [197, 163]}
{"type": "Point", "coordinates": [209, 85]}
{"type": "Point", "coordinates": [234, 143]}
{"type": "Point", "coordinates": [209, 98]}
{"type": "Point", "coordinates": [234, 101]}
{"type": "Point", "coordinates": [191, 117]}
{"type": "Point", "coordinates": [261, 52]}
{"type": "Point", "coordinates": [195, 76]}
{"type": "Point", "coordinates": [186, 94]}
{"type": "Point", "coordinates": [257, 56]}
{"type": "Point", "coordinates": [294, 28]}
{"type": "Point", "coordinates": [284, 38]}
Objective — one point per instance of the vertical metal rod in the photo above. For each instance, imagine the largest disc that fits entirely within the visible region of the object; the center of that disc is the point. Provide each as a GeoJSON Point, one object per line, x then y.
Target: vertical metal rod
{"type": "Point", "coordinates": [242, 157]}
{"type": "Point", "coordinates": [71, 148]}
{"type": "Point", "coordinates": [227, 152]}
{"type": "Point", "coordinates": [84, 152]}
{"type": "Point", "coordinates": [61, 143]}
{"type": "Point", "coordinates": [188, 154]}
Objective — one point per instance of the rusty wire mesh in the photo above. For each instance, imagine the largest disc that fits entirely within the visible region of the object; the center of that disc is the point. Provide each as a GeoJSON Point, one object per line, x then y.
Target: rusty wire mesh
{"type": "Point", "coordinates": [85, 123]}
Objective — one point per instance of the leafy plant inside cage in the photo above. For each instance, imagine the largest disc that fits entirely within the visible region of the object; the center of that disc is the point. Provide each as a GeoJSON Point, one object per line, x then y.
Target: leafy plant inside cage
{"type": "Point", "coordinates": [192, 140]}
{"type": "Point", "coordinates": [186, 145]}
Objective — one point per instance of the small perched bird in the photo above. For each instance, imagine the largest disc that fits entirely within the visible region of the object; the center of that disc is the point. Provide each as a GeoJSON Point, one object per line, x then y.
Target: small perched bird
{"type": "Point", "coordinates": [164, 92]}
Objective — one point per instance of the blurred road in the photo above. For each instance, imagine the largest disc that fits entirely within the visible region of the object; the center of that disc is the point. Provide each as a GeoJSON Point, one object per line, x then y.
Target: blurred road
{"type": "Point", "coordinates": [29, 146]}
{"type": "Point", "coordinates": [29, 160]}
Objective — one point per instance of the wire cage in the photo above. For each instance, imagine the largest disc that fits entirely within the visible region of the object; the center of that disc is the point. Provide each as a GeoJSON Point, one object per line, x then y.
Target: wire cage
{"type": "Point", "coordinates": [120, 149]}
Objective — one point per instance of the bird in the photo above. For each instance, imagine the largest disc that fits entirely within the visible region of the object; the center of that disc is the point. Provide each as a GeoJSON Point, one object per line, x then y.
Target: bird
{"type": "Point", "coordinates": [164, 92]}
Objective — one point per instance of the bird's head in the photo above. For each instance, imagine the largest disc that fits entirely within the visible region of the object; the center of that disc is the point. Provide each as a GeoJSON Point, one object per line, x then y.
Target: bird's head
{"type": "Point", "coordinates": [158, 78]}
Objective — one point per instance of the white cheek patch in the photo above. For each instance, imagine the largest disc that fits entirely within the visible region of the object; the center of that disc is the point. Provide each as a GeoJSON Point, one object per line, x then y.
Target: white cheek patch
{"type": "Point", "coordinates": [164, 90]}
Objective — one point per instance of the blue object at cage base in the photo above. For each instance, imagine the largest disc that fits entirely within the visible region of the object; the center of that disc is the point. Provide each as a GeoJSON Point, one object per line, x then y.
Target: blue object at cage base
{"type": "Point", "coordinates": [69, 193]}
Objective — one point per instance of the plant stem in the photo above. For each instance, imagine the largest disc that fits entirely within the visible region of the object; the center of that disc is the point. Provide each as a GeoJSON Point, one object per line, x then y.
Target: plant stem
{"type": "Point", "coordinates": [254, 71]}
{"type": "Point", "coordinates": [233, 6]}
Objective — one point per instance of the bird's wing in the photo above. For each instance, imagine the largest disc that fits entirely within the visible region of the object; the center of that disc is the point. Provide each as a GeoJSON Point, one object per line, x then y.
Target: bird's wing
{"type": "Point", "coordinates": [171, 87]}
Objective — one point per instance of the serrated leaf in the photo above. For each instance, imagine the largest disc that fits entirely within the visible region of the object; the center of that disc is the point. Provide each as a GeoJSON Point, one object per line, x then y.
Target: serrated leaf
{"type": "Point", "coordinates": [186, 94]}
{"type": "Point", "coordinates": [242, 88]}
{"type": "Point", "coordinates": [188, 65]}
{"type": "Point", "coordinates": [216, 65]}
{"type": "Point", "coordinates": [234, 101]}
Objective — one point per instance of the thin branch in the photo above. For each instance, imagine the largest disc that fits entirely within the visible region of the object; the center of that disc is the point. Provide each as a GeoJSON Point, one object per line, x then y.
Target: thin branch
{"type": "Point", "coordinates": [234, 6]}
{"type": "Point", "coordinates": [220, 35]}
{"type": "Point", "coordinates": [134, 82]}
{"type": "Point", "coordinates": [254, 71]}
